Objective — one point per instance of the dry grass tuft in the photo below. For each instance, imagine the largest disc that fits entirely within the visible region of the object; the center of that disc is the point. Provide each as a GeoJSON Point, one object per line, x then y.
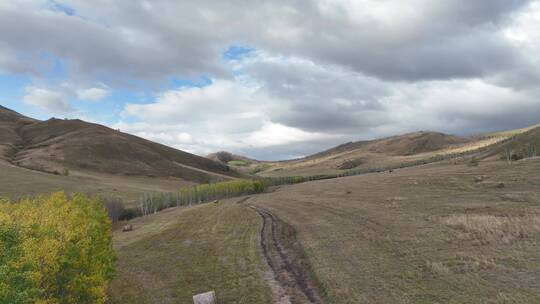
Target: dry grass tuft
{"type": "Point", "coordinates": [437, 268]}
{"type": "Point", "coordinates": [491, 229]}
{"type": "Point", "coordinates": [473, 263]}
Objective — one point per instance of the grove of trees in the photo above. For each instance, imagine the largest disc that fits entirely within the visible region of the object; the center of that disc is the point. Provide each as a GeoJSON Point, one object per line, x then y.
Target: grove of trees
{"type": "Point", "coordinates": [55, 249]}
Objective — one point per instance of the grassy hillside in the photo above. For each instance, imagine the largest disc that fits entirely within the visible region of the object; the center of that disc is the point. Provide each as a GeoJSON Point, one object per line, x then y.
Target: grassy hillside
{"type": "Point", "coordinates": [521, 145]}
{"type": "Point", "coordinates": [16, 182]}
{"type": "Point", "coordinates": [72, 155]}
{"type": "Point", "coordinates": [180, 252]}
{"type": "Point", "coordinates": [386, 152]}
{"type": "Point", "coordinates": [432, 234]}
{"type": "Point", "coordinates": [59, 146]}
{"type": "Point", "coordinates": [240, 163]}
{"type": "Point", "coordinates": [10, 122]}
{"type": "Point", "coordinates": [441, 233]}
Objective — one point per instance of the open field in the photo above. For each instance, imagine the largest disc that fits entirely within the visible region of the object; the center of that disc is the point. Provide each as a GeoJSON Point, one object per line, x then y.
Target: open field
{"type": "Point", "coordinates": [16, 182]}
{"type": "Point", "coordinates": [439, 233]}
{"type": "Point", "coordinates": [431, 234]}
{"type": "Point", "coordinates": [180, 252]}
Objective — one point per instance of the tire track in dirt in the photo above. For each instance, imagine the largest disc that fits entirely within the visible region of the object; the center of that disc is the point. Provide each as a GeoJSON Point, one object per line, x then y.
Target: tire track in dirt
{"type": "Point", "coordinates": [295, 285]}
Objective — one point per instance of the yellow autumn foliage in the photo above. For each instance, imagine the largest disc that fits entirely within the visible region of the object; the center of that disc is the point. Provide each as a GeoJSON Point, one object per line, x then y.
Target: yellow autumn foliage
{"type": "Point", "coordinates": [55, 250]}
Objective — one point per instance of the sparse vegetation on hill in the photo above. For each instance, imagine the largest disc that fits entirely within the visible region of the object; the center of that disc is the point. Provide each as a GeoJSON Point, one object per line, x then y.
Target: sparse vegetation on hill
{"type": "Point", "coordinates": [57, 146]}
{"type": "Point", "coordinates": [240, 163]}
{"type": "Point", "coordinates": [395, 152]}
{"type": "Point", "coordinates": [55, 250]}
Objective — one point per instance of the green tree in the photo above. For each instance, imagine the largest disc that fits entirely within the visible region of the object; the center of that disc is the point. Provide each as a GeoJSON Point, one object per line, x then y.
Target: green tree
{"type": "Point", "coordinates": [55, 250]}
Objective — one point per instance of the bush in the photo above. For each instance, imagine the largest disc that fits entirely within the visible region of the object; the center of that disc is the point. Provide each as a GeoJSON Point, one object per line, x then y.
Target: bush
{"type": "Point", "coordinates": [238, 163]}
{"type": "Point", "coordinates": [260, 168]}
{"type": "Point", "coordinates": [473, 162]}
{"type": "Point", "coordinates": [55, 250]}
{"type": "Point", "coordinates": [351, 164]}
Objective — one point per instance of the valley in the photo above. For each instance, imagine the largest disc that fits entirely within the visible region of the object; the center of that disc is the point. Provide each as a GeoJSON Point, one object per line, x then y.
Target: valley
{"type": "Point", "coordinates": [437, 233]}
{"type": "Point", "coordinates": [459, 223]}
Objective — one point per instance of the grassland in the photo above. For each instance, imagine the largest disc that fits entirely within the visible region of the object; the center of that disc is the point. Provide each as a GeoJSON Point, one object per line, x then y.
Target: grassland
{"type": "Point", "coordinates": [387, 152]}
{"type": "Point", "coordinates": [177, 253]}
{"type": "Point", "coordinates": [441, 233]}
{"type": "Point", "coordinates": [16, 182]}
{"type": "Point", "coordinates": [431, 234]}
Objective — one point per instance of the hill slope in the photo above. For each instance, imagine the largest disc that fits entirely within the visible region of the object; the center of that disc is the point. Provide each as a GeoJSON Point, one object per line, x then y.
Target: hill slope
{"type": "Point", "coordinates": [388, 152]}
{"type": "Point", "coordinates": [10, 122]}
{"type": "Point", "coordinates": [525, 144]}
{"type": "Point", "coordinates": [59, 145]}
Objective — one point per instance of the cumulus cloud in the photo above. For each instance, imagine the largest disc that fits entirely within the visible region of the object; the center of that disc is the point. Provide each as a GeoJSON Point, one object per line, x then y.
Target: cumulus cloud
{"type": "Point", "coordinates": [51, 101]}
{"type": "Point", "coordinates": [318, 72]}
{"type": "Point", "coordinates": [92, 94]}
{"type": "Point", "coordinates": [224, 115]}
{"type": "Point", "coordinates": [223, 105]}
{"type": "Point", "coordinates": [288, 107]}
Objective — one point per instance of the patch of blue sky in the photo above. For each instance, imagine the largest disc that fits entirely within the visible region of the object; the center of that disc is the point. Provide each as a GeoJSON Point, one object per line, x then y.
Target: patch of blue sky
{"type": "Point", "coordinates": [57, 72]}
{"type": "Point", "coordinates": [62, 8]}
{"type": "Point", "coordinates": [12, 93]}
{"type": "Point", "coordinates": [179, 83]}
{"type": "Point", "coordinates": [238, 52]}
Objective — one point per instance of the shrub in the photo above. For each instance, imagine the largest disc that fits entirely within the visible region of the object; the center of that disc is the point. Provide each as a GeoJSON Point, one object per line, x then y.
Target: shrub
{"type": "Point", "coordinates": [238, 163]}
{"type": "Point", "coordinates": [351, 164]}
{"type": "Point", "coordinates": [260, 168]}
{"type": "Point", "coordinates": [55, 250]}
{"type": "Point", "coordinates": [224, 157]}
{"type": "Point", "coordinates": [473, 162]}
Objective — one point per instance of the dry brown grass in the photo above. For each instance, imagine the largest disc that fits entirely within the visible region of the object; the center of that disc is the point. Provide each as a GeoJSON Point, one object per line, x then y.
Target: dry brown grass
{"type": "Point", "coordinates": [437, 268]}
{"type": "Point", "coordinates": [368, 244]}
{"type": "Point", "coordinates": [180, 252]}
{"type": "Point", "coordinates": [56, 145]}
{"type": "Point", "coordinates": [472, 262]}
{"type": "Point", "coordinates": [16, 182]}
{"type": "Point", "coordinates": [490, 228]}
{"type": "Point", "coordinates": [379, 154]}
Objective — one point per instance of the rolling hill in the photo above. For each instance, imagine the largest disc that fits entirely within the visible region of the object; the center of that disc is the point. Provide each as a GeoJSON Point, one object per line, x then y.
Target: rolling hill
{"type": "Point", "coordinates": [393, 151]}
{"type": "Point", "coordinates": [523, 144]}
{"type": "Point", "coordinates": [82, 156]}
{"type": "Point", "coordinates": [55, 145]}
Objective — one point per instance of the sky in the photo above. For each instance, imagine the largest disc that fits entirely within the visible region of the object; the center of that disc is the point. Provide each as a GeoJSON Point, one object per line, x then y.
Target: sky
{"type": "Point", "coordinates": [273, 79]}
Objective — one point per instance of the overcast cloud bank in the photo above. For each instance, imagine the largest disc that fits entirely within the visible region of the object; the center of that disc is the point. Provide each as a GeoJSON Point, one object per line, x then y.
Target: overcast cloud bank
{"type": "Point", "coordinates": [284, 78]}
